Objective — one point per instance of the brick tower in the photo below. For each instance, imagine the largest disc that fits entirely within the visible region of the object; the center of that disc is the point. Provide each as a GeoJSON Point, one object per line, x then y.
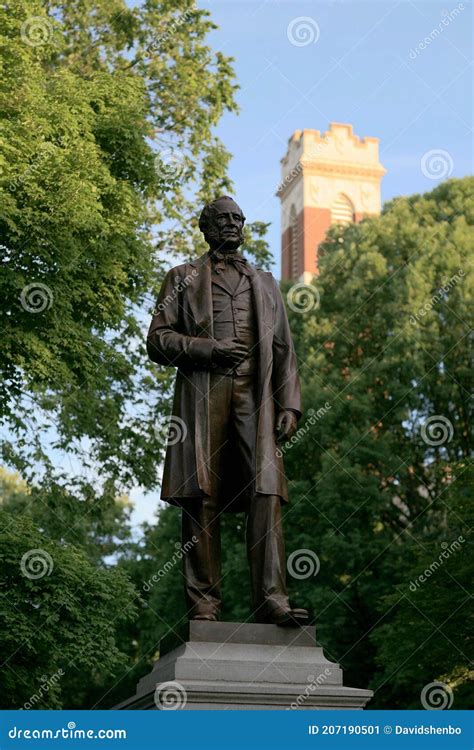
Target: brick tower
{"type": "Point", "coordinates": [326, 179]}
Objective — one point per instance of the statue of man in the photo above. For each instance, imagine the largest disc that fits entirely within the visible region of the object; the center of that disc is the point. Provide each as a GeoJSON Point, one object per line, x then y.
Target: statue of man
{"type": "Point", "coordinates": [222, 323]}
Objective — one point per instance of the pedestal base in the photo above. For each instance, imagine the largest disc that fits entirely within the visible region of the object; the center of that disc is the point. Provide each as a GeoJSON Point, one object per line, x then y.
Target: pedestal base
{"type": "Point", "coordinates": [226, 665]}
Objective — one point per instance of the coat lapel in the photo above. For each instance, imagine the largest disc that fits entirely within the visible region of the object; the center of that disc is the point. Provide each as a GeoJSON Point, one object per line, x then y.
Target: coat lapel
{"type": "Point", "coordinates": [263, 307]}
{"type": "Point", "coordinates": [200, 295]}
{"type": "Point", "coordinates": [262, 302]}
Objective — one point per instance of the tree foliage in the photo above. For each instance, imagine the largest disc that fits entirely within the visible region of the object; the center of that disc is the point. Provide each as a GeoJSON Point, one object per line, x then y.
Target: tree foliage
{"type": "Point", "coordinates": [389, 352]}
{"type": "Point", "coordinates": [430, 631]}
{"type": "Point", "coordinates": [60, 614]}
{"type": "Point", "coordinates": [107, 119]}
{"type": "Point", "coordinates": [107, 116]}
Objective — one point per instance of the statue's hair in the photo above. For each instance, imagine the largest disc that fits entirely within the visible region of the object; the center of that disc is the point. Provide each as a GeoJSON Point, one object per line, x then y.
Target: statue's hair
{"type": "Point", "coordinates": [208, 211]}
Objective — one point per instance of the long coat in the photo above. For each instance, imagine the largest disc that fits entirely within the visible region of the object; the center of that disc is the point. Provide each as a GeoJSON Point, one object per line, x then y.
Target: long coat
{"type": "Point", "coordinates": [181, 335]}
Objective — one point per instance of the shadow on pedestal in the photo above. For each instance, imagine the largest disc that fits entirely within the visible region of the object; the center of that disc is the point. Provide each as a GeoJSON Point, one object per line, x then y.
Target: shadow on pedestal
{"type": "Point", "coordinates": [229, 665]}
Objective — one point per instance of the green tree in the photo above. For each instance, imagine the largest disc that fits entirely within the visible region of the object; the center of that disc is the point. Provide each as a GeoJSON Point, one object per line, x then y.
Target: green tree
{"type": "Point", "coordinates": [386, 365]}
{"type": "Point", "coordinates": [60, 614]}
{"type": "Point", "coordinates": [435, 603]}
{"type": "Point", "coordinates": [99, 530]}
{"type": "Point", "coordinates": [107, 147]}
{"type": "Point", "coordinates": [107, 119]}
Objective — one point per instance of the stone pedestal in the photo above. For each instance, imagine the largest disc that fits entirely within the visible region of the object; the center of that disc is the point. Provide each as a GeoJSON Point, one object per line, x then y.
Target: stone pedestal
{"type": "Point", "coordinates": [227, 665]}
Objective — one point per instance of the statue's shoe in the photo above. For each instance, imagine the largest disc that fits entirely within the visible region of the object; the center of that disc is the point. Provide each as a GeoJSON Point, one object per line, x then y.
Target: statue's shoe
{"type": "Point", "coordinates": [290, 618]}
{"type": "Point", "coordinates": [206, 616]}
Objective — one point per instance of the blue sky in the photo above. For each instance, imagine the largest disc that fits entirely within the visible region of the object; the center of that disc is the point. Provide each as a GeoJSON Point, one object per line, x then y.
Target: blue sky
{"type": "Point", "coordinates": [365, 68]}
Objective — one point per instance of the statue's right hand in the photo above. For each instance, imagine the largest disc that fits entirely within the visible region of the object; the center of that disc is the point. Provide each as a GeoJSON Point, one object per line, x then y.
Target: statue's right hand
{"type": "Point", "coordinates": [229, 352]}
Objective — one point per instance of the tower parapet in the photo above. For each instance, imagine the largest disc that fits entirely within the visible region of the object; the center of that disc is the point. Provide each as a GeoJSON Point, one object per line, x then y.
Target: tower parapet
{"type": "Point", "coordinates": [326, 179]}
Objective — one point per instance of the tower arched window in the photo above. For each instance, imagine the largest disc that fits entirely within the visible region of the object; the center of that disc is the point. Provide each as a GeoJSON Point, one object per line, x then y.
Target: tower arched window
{"type": "Point", "coordinates": [342, 211]}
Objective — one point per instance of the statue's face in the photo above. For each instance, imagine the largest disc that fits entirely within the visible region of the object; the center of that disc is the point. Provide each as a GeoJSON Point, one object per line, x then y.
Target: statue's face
{"type": "Point", "coordinates": [226, 227]}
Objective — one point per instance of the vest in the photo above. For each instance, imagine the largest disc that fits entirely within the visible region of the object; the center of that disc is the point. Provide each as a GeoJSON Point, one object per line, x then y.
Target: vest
{"type": "Point", "coordinates": [234, 317]}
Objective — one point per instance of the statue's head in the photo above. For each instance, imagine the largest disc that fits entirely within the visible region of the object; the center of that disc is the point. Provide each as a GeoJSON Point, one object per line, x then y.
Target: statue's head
{"type": "Point", "coordinates": [222, 224]}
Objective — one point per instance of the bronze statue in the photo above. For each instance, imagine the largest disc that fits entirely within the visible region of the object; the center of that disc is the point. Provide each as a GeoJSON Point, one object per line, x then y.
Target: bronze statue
{"type": "Point", "coordinates": [222, 323]}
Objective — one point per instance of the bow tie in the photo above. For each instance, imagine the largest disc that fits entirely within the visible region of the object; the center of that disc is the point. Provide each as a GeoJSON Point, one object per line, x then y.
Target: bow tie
{"type": "Point", "coordinates": [220, 260]}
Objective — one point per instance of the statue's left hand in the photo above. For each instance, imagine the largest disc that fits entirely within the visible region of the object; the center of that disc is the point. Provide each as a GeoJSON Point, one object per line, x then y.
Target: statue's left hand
{"type": "Point", "coordinates": [285, 425]}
